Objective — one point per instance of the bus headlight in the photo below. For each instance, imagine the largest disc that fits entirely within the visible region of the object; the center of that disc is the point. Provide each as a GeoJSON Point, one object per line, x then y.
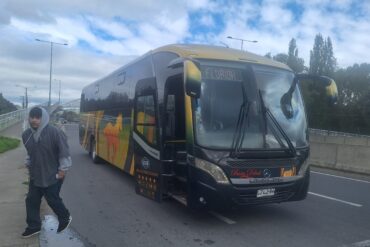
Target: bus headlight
{"type": "Point", "coordinates": [215, 171]}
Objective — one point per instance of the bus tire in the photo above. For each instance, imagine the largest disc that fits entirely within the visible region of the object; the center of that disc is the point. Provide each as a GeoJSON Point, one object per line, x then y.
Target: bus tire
{"type": "Point", "coordinates": [94, 156]}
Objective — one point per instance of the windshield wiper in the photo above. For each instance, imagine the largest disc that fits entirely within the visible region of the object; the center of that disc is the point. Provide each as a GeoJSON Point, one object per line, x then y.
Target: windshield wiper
{"type": "Point", "coordinates": [241, 126]}
{"type": "Point", "coordinates": [267, 112]}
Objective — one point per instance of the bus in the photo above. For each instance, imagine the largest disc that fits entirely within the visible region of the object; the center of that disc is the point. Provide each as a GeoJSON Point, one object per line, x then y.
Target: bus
{"type": "Point", "coordinates": [204, 125]}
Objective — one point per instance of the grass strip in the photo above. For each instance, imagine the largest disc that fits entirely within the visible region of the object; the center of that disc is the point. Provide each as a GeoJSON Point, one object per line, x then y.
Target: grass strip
{"type": "Point", "coordinates": [7, 143]}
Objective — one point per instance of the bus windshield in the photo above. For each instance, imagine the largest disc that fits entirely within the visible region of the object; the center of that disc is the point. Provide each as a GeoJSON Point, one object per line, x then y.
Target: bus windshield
{"type": "Point", "coordinates": [217, 110]}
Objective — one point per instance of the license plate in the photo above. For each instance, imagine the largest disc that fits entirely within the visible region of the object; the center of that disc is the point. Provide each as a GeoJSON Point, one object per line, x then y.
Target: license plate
{"type": "Point", "coordinates": [266, 192]}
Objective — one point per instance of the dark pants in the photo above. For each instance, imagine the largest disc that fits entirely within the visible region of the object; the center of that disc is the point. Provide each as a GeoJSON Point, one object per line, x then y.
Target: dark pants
{"type": "Point", "coordinates": [52, 197]}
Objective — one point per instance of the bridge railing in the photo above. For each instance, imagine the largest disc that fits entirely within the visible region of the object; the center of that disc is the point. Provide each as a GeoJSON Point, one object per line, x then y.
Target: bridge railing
{"type": "Point", "coordinates": [12, 118]}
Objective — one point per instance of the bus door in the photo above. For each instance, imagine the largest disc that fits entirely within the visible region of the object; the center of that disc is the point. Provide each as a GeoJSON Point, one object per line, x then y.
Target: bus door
{"type": "Point", "coordinates": [174, 137]}
{"type": "Point", "coordinates": [146, 147]}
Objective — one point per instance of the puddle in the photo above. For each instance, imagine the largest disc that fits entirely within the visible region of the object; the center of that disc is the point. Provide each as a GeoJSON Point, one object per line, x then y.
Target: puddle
{"type": "Point", "coordinates": [50, 238]}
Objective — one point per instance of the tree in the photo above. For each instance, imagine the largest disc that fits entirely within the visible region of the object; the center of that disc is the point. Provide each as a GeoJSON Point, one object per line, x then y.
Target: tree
{"type": "Point", "coordinates": [281, 57]}
{"type": "Point", "coordinates": [5, 105]}
{"type": "Point", "coordinates": [268, 55]}
{"type": "Point", "coordinates": [354, 99]}
{"type": "Point", "coordinates": [293, 61]}
{"type": "Point", "coordinates": [330, 61]}
{"type": "Point", "coordinates": [322, 60]}
{"type": "Point", "coordinates": [317, 60]}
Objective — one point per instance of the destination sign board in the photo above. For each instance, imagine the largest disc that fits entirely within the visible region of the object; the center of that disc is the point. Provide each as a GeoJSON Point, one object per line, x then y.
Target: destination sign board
{"type": "Point", "coordinates": [221, 73]}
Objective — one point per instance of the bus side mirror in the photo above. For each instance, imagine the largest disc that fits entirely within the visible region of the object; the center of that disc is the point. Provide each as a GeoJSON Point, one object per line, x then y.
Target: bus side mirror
{"type": "Point", "coordinates": [331, 91]}
{"type": "Point", "coordinates": [192, 79]}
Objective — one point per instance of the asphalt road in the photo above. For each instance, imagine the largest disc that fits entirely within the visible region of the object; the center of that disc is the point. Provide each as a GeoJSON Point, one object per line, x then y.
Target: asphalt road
{"type": "Point", "coordinates": [107, 212]}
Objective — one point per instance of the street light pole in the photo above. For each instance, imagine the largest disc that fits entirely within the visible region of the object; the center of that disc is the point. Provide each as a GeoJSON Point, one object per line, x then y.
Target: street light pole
{"type": "Point", "coordinates": [26, 95]}
{"type": "Point", "coordinates": [51, 62]}
{"type": "Point", "coordinates": [26, 99]}
{"type": "Point", "coordinates": [242, 40]}
{"type": "Point", "coordinates": [59, 91]}
{"type": "Point", "coordinates": [60, 81]}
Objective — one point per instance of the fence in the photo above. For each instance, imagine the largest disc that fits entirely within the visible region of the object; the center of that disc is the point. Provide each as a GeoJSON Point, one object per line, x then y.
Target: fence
{"type": "Point", "coordinates": [12, 118]}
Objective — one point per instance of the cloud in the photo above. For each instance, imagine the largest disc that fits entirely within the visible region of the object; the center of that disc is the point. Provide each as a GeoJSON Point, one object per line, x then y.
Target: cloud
{"type": "Point", "coordinates": [26, 62]}
{"type": "Point", "coordinates": [102, 37]}
{"type": "Point", "coordinates": [273, 24]}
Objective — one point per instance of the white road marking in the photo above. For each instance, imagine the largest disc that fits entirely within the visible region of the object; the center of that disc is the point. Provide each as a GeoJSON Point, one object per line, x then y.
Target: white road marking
{"type": "Point", "coordinates": [335, 199]}
{"type": "Point", "coordinates": [365, 243]}
{"type": "Point", "coordinates": [352, 179]}
{"type": "Point", "coordinates": [222, 218]}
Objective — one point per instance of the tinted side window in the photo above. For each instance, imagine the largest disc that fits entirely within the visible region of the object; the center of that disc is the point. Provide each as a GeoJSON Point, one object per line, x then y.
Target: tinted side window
{"type": "Point", "coordinates": [145, 118]}
{"type": "Point", "coordinates": [161, 61]}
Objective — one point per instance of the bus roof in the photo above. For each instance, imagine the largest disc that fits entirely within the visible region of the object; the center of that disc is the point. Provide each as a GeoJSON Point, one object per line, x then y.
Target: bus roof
{"type": "Point", "coordinates": [206, 52]}
{"type": "Point", "coordinates": [219, 53]}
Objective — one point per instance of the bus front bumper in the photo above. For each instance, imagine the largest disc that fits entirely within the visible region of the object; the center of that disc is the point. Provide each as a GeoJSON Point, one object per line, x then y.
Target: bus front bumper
{"type": "Point", "coordinates": [250, 194]}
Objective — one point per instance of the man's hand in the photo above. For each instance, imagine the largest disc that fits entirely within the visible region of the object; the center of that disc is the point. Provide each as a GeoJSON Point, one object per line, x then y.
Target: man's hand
{"type": "Point", "coordinates": [61, 174]}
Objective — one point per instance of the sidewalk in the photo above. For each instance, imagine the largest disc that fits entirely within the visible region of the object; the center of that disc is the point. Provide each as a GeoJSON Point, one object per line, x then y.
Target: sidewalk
{"type": "Point", "coordinates": [13, 188]}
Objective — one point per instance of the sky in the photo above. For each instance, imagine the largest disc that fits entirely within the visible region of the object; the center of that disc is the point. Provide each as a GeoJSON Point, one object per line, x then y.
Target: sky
{"type": "Point", "coordinates": [104, 35]}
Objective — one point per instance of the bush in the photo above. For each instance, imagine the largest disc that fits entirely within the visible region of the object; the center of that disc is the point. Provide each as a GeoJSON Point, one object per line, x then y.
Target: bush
{"type": "Point", "coordinates": [7, 143]}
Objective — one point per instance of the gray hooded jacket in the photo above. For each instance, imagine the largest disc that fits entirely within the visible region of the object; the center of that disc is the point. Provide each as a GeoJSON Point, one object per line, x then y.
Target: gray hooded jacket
{"type": "Point", "coordinates": [48, 152]}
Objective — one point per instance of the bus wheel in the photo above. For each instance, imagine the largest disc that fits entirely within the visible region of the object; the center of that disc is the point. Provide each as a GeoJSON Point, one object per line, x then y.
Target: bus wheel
{"type": "Point", "coordinates": [95, 158]}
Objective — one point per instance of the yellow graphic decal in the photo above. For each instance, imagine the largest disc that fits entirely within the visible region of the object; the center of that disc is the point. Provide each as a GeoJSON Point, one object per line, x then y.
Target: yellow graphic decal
{"type": "Point", "coordinates": [189, 121]}
{"type": "Point", "coordinates": [98, 116]}
{"type": "Point", "coordinates": [111, 133]}
{"type": "Point", "coordinates": [132, 168]}
{"type": "Point", "coordinates": [84, 142]}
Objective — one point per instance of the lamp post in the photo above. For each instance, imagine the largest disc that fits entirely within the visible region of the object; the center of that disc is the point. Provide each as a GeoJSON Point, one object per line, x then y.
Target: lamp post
{"type": "Point", "coordinates": [60, 81]}
{"type": "Point", "coordinates": [25, 95]}
{"type": "Point", "coordinates": [51, 62]}
{"type": "Point", "coordinates": [242, 40]}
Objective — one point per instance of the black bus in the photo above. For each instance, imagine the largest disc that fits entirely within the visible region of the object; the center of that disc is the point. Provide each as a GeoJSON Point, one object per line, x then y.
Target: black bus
{"type": "Point", "coordinates": [205, 125]}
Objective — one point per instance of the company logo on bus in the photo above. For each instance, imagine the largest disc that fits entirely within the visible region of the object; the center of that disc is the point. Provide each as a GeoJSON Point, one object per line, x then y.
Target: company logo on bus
{"type": "Point", "coordinates": [267, 173]}
{"type": "Point", "coordinates": [248, 173]}
{"type": "Point", "coordinates": [145, 163]}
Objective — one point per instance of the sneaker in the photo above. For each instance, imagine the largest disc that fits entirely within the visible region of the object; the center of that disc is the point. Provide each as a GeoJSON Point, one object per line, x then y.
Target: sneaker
{"type": "Point", "coordinates": [30, 232]}
{"type": "Point", "coordinates": [63, 225]}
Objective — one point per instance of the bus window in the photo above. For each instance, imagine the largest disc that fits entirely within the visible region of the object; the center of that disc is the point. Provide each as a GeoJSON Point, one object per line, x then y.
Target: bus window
{"type": "Point", "coordinates": [145, 118]}
{"type": "Point", "coordinates": [170, 112]}
{"type": "Point", "coordinates": [175, 110]}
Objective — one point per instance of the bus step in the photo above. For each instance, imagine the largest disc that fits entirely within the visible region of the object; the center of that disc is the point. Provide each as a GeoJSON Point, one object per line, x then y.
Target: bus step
{"type": "Point", "coordinates": [181, 155]}
{"type": "Point", "coordinates": [168, 175]}
{"type": "Point", "coordinates": [181, 179]}
{"type": "Point", "coordinates": [180, 198]}
{"type": "Point", "coordinates": [181, 163]}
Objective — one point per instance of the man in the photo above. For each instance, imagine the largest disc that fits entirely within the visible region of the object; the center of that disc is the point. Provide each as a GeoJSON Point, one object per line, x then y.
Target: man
{"type": "Point", "coordinates": [48, 160]}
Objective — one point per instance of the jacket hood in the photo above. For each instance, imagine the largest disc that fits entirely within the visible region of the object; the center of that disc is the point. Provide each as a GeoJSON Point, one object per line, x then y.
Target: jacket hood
{"type": "Point", "coordinates": [44, 122]}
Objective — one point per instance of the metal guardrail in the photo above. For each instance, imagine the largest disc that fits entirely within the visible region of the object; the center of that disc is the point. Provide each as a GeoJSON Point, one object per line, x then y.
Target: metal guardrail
{"type": "Point", "coordinates": [334, 133]}
{"type": "Point", "coordinates": [12, 118]}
